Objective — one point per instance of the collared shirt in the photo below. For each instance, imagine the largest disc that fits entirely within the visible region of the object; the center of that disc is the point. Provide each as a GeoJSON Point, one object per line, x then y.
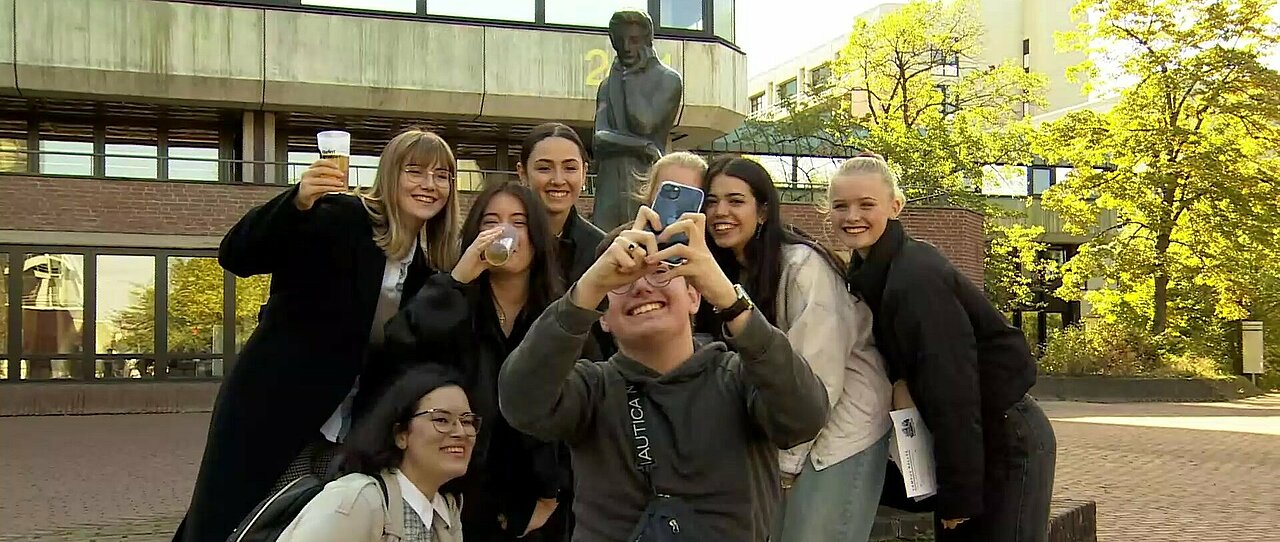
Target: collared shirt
{"type": "Point", "coordinates": [421, 505]}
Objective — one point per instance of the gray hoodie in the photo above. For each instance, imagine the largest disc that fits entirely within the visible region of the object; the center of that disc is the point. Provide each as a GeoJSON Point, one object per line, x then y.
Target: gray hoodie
{"type": "Point", "coordinates": [716, 423]}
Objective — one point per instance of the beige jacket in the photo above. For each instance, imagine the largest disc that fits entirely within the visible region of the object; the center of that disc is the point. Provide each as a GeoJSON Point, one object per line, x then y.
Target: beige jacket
{"type": "Point", "coordinates": [351, 509]}
{"type": "Point", "coordinates": [831, 329]}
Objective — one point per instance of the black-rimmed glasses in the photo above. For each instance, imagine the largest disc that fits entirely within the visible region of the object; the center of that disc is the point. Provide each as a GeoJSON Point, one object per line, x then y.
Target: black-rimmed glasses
{"type": "Point", "coordinates": [444, 421]}
{"type": "Point", "coordinates": [659, 278]}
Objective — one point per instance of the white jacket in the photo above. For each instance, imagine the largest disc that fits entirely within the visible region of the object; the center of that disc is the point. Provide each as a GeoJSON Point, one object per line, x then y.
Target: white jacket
{"type": "Point", "coordinates": [831, 329]}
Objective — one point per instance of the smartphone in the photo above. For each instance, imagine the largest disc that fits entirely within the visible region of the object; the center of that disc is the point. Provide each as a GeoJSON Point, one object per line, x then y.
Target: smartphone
{"type": "Point", "coordinates": [670, 202]}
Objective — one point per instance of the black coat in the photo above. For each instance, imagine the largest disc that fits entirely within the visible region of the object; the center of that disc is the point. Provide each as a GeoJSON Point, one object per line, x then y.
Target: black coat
{"type": "Point", "coordinates": [301, 361]}
{"type": "Point", "coordinates": [577, 249]}
{"type": "Point", "coordinates": [455, 324]}
{"type": "Point", "coordinates": [963, 363]}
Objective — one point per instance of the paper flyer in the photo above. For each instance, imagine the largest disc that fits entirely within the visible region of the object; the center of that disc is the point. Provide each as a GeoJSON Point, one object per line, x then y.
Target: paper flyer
{"type": "Point", "coordinates": [912, 449]}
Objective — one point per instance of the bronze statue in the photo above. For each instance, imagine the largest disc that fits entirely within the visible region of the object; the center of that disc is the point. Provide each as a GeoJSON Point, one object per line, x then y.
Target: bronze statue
{"type": "Point", "coordinates": [636, 108]}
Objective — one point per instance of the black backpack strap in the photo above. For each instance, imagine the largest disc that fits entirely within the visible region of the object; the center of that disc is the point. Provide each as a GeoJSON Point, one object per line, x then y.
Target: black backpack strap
{"type": "Point", "coordinates": [641, 437]}
{"type": "Point", "coordinates": [382, 484]}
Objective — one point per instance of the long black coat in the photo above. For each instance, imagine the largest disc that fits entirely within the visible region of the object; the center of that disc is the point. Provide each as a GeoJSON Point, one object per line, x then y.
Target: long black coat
{"type": "Point", "coordinates": [455, 324]}
{"type": "Point", "coordinates": [301, 361]}
{"type": "Point", "coordinates": [962, 361]}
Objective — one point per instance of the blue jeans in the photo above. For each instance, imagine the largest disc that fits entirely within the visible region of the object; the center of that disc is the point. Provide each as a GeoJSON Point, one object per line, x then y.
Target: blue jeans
{"type": "Point", "coordinates": [838, 503]}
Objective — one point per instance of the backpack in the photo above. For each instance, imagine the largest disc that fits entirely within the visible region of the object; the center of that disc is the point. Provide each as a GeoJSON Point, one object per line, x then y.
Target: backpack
{"type": "Point", "coordinates": [272, 516]}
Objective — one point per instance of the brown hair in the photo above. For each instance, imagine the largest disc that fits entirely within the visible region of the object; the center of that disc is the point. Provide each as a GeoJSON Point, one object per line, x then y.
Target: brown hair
{"type": "Point", "coordinates": [438, 238]}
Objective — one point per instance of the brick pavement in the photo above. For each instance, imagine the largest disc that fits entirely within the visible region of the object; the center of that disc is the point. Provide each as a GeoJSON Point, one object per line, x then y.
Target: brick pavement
{"type": "Point", "coordinates": [129, 477]}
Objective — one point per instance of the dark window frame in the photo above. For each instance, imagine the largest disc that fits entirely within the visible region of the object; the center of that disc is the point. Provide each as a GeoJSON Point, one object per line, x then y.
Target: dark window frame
{"type": "Point", "coordinates": [87, 356]}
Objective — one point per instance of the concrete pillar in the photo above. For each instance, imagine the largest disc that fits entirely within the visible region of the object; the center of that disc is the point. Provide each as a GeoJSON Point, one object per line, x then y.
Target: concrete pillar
{"type": "Point", "coordinates": [258, 147]}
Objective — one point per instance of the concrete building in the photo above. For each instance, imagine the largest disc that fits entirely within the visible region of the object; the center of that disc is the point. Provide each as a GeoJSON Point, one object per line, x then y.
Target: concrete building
{"type": "Point", "coordinates": [133, 133]}
{"type": "Point", "coordinates": [1021, 31]}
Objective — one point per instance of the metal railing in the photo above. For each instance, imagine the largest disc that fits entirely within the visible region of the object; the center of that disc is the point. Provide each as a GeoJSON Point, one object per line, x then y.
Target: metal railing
{"type": "Point", "coordinates": [28, 162]}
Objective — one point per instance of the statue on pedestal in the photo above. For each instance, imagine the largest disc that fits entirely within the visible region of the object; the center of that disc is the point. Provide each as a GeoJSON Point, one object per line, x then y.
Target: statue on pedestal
{"type": "Point", "coordinates": [636, 107]}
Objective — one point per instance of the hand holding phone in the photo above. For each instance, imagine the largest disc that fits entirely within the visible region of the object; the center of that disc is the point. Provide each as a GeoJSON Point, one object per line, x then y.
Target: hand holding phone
{"type": "Point", "coordinates": [671, 201]}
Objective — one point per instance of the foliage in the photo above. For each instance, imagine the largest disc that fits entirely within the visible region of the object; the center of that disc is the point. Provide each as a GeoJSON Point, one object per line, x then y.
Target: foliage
{"type": "Point", "coordinates": [1014, 268]}
{"type": "Point", "coordinates": [1113, 348]}
{"type": "Point", "coordinates": [911, 87]}
{"type": "Point", "coordinates": [1186, 159]}
{"type": "Point", "coordinates": [195, 309]}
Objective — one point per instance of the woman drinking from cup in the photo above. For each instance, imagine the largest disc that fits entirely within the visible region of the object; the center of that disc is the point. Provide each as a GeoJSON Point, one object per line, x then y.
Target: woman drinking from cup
{"type": "Point", "coordinates": [471, 319]}
{"type": "Point", "coordinates": [553, 163]}
{"type": "Point", "coordinates": [418, 436]}
{"type": "Point", "coordinates": [341, 263]}
{"type": "Point", "coordinates": [832, 483]}
{"type": "Point", "coordinates": [966, 368]}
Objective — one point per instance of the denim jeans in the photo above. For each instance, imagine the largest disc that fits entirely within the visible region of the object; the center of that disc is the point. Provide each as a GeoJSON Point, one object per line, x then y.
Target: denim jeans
{"type": "Point", "coordinates": [836, 504]}
{"type": "Point", "coordinates": [1020, 454]}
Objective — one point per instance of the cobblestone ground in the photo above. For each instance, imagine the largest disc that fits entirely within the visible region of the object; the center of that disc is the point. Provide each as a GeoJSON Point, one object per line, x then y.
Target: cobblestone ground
{"type": "Point", "coordinates": [1159, 472]}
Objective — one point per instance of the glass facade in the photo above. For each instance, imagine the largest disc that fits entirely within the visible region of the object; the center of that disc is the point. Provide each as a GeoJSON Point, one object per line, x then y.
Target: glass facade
{"type": "Point", "coordinates": [155, 314]}
{"type": "Point", "coordinates": [589, 12]}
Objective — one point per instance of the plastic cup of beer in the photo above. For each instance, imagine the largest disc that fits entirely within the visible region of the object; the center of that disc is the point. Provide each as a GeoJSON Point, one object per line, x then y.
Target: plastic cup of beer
{"type": "Point", "coordinates": [335, 145]}
{"type": "Point", "coordinates": [503, 247]}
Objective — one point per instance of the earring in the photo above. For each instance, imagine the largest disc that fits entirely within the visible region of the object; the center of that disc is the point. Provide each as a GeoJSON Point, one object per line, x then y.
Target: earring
{"type": "Point", "coordinates": [759, 228]}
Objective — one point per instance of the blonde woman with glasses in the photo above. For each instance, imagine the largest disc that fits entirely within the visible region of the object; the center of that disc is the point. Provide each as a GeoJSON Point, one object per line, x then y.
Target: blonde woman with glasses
{"type": "Point", "coordinates": [341, 263]}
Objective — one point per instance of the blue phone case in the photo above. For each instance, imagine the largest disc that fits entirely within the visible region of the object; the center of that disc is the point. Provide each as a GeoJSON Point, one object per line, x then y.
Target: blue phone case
{"type": "Point", "coordinates": [671, 201]}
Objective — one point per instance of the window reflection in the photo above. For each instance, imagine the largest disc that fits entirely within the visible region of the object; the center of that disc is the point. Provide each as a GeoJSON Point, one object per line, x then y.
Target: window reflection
{"type": "Point", "coordinates": [52, 305]}
{"type": "Point", "coordinates": [725, 22]}
{"type": "Point", "coordinates": [684, 14]}
{"type": "Point", "coordinates": [53, 163]}
{"type": "Point", "coordinates": [131, 161]}
{"type": "Point", "coordinates": [195, 305]}
{"type": "Point", "coordinates": [196, 368]}
{"type": "Point", "coordinates": [13, 155]}
{"type": "Point", "coordinates": [251, 295]}
{"type": "Point", "coordinates": [117, 367]}
{"type": "Point", "coordinates": [126, 313]}
{"type": "Point", "coordinates": [589, 12]}
{"type": "Point", "coordinates": [48, 369]}
{"type": "Point", "coordinates": [399, 6]}
{"type": "Point", "coordinates": [203, 165]}
{"type": "Point", "coordinates": [504, 10]}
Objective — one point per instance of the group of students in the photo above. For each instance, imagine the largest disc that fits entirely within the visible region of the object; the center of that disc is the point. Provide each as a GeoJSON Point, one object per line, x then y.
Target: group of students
{"type": "Point", "coordinates": [588, 390]}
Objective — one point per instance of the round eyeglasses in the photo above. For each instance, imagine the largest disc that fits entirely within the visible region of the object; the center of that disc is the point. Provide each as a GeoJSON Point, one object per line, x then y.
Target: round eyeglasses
{"type": "Point", "coordinates": [444, 421]}
{"type": "Point", "coordinates": [422, 177]}
{"type": "Point", "coordinates": [659, 278]}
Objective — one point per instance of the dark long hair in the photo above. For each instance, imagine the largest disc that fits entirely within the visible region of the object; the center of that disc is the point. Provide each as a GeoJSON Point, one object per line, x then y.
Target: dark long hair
{"type": "Point", "coordinates": [764, 249]}
{"type": "Point", "coordinates": [545, 283]}
{"type": "Point", "coordinates": [371, 446]}
{"type": "Point", "coordinates": [544, 131]}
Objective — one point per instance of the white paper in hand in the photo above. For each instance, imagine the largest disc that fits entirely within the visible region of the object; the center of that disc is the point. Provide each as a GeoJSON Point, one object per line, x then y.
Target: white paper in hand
{"type": "Point", "coordinates": [912, 450]}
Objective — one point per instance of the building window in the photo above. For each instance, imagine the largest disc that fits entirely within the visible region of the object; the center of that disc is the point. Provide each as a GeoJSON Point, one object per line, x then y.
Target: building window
{"type": "Point", "coordinates": [682, 14]}
{"type": "Point", "coordinates": [948, 101]}
{"type": "Point", "coordinates": [593, 13]}
{"type": "Point", "coordinates": [787, 91]}
{"type": "Point", "coordinates": [725, 22]}
{"type": "Point", "coordinates": [500, 10]}
{"type": "Point", "coordinates": [1041, 178]}
{"type": "Point", "coordinates": [1026, 55]}
{"type": "Point", "coordinates": [820, 77]}
{"type": "Point", "coordinates": [945, 63]}
{"type": "Point", "coordinates": [52, 314]}
{"type": "Point", "coordinates": [757, 103]}
{"type": "Point", "coordinates": [396, 6]}
{"type": "Point", "coordinates": [125, 320]}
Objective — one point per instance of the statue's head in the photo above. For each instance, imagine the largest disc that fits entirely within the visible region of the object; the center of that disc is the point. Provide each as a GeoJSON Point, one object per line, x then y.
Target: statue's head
{"type": "Point", "coordinates": [632, 35]}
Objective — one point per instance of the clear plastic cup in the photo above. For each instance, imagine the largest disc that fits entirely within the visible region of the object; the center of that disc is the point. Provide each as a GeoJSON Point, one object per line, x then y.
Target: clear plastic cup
{"type": "Point", "coordinates": [503, 247]}
{"type": "Point", "coordinates": [335, 145]}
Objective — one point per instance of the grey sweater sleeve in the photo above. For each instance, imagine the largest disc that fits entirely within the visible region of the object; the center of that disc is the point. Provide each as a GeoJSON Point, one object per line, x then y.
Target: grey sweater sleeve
{"type": "Point", "coordinates": [786, 399]}
{"type": "Point", "coordinates": [543, 389]}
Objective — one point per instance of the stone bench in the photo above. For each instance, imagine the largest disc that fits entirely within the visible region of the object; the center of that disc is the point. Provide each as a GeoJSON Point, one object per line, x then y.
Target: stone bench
{"type": "Point", "coordinates": [1070, 520]}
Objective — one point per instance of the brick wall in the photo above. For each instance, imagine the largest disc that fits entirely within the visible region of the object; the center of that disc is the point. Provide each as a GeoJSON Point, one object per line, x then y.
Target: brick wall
{"type": "Point", "coordinates": [182, 208]}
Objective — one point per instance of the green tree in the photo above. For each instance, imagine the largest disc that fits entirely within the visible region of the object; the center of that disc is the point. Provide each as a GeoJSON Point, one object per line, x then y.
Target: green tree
{"type": "Point", "coordinates": [1188, 163]}
{"type": "Point", "coordinates": [195, 309]}
{"type": "Point", "coordinates": [912, 87]}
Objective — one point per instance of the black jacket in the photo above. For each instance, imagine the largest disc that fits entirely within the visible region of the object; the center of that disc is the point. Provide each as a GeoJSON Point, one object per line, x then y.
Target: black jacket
{"type": "Point", "coordinates": [455, 324]}
{"type": "Point", "coordinates": [963, 363]}
{"type": "Point", "coordinates": [577, 248]}
{"type": "Point", "coordinates": [301, 361]}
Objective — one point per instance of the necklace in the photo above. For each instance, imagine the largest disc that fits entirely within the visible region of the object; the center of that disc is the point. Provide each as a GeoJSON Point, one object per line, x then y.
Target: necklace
{"type": "Point", "coordinates": [502, 315]}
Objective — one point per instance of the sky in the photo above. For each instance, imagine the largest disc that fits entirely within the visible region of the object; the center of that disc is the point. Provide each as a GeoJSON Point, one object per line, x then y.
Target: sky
{"type": "Point", "coordinates": [773, 31]}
